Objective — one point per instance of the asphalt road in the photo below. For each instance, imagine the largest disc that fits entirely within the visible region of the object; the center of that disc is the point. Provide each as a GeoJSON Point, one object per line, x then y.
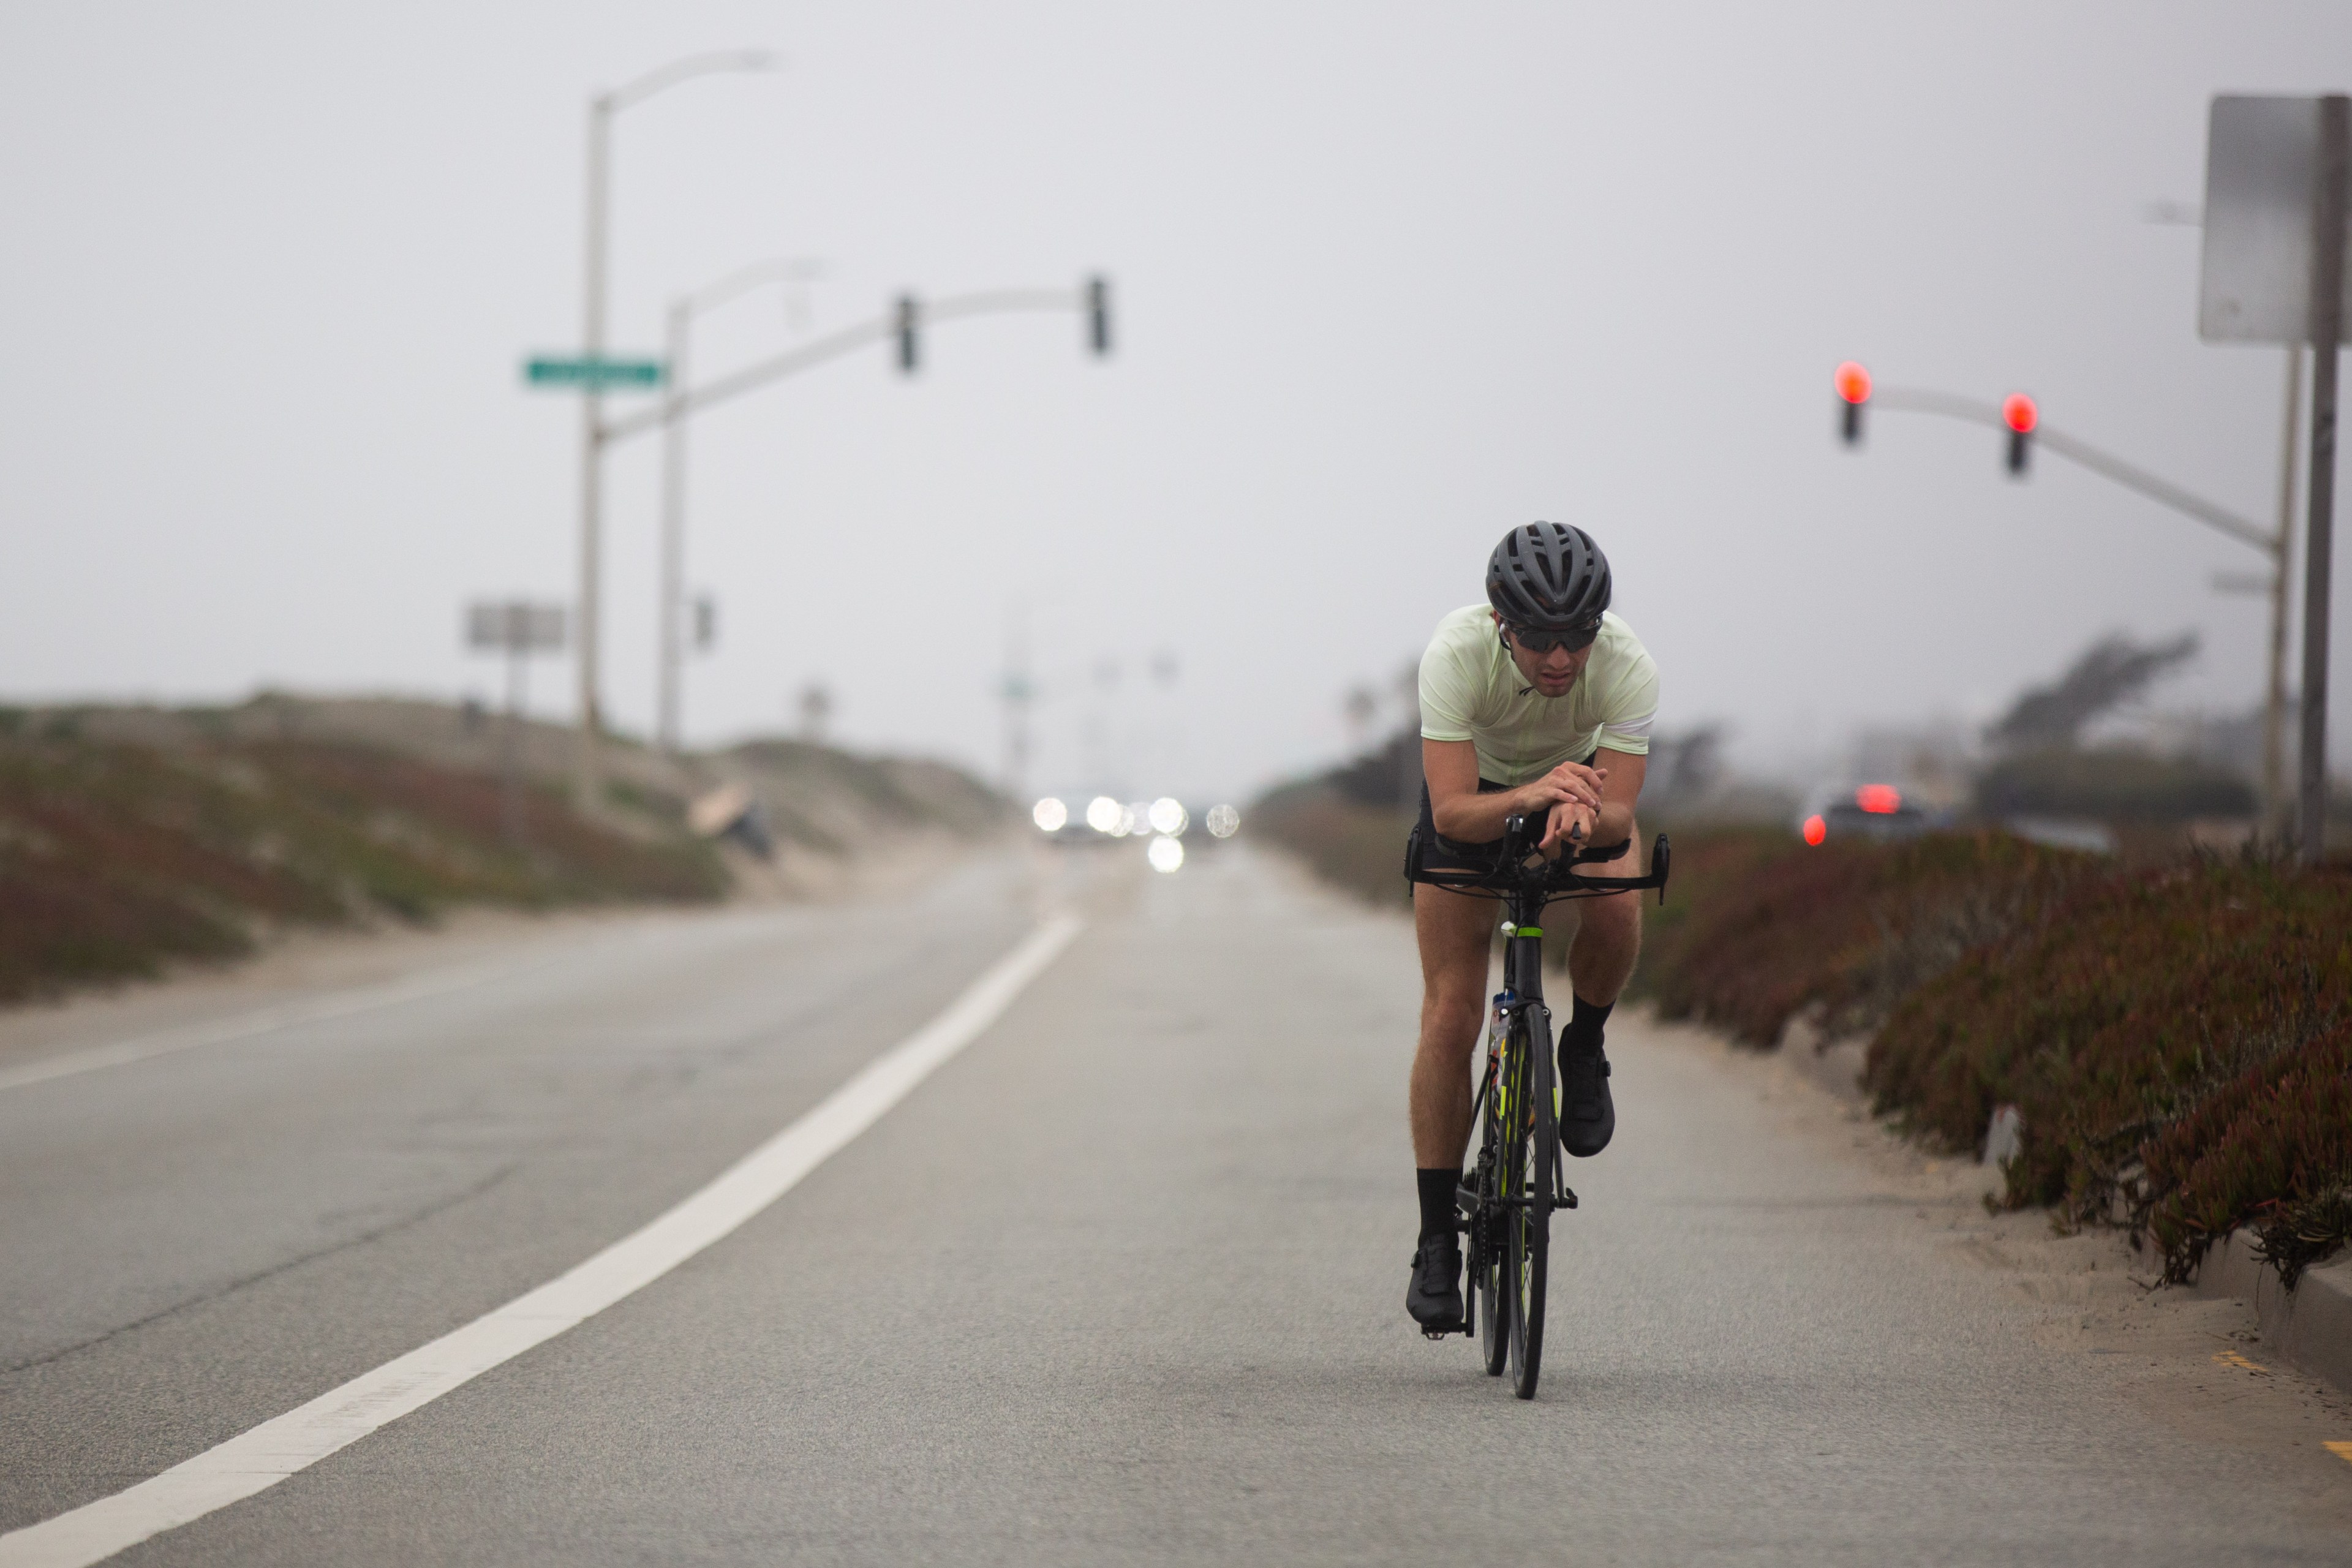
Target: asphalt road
{"type": "Point", "coordinates": [1120, 1283]}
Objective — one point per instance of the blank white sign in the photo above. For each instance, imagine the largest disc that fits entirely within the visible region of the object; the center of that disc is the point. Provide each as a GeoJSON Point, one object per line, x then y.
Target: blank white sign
{"type": "Point", "coordinates": [2262, 185]}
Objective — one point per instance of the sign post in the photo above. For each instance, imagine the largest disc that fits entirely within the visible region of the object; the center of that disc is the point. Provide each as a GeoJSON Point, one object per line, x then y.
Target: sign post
{"type": "Point", "coordinates": [2275, 175]}
{"type": "Point", "coordinates": [518, 630]}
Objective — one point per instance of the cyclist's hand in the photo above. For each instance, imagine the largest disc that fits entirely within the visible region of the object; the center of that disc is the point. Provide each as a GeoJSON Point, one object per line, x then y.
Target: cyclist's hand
{"type": "Point", "coordinates": [1569, 822]}
{"type": "Point", "coordinates": [1574, 781]}
{"type": "Point", "coordinates": [1570, 784]}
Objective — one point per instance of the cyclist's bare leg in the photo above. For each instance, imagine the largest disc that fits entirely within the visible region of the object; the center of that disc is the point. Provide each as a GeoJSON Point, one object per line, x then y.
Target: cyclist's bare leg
{"type": "Point", "coordinates": [1456, 932]}
{"type": "Point", "coordinates": [1607, 934]}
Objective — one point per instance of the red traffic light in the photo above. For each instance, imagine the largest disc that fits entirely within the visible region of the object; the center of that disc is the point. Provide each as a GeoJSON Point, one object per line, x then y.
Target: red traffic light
{"type": "Point", "coordinates": [2020, 413]}
{"type": "Point", "coordinates": [1853, 383]}
{"type": "Point", "coordinates": [1816, 829]}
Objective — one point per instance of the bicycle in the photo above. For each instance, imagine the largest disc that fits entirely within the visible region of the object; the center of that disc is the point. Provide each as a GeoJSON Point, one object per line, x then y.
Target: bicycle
{"type": "Point", "coordinates": [1507, 1200]}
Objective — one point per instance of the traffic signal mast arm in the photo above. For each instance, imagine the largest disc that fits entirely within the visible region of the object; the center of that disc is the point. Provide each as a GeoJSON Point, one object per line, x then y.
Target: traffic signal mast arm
{"type": "Point", "coordinates": [881, 329]}
{"type": "Point", "coordinates": [1912, 400]}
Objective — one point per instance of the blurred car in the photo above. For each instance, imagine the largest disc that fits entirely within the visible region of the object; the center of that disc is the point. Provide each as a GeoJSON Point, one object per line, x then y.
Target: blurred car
{"type": "Point", "coordinates": [1063, 819]}
{"type": "Point", "coordinates": [1873, 811]}
{"type": "Point", "coordinates": [1079, 818]}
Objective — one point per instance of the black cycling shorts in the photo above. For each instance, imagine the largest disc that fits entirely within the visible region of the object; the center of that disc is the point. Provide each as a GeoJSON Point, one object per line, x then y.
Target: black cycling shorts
{"type": "Point", "coordinates": [1430, 850]}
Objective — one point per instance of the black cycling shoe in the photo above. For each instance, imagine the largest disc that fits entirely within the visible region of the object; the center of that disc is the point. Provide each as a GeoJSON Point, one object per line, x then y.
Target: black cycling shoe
{"type": "Point", "coordinates": [1434, 1296]}
{"type": "Point", "coordinates": [1588, 1116]}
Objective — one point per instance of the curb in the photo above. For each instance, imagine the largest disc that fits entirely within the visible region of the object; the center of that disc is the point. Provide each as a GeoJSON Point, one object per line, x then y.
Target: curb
{"type": "Point", "coordinates": [2309, 1327]}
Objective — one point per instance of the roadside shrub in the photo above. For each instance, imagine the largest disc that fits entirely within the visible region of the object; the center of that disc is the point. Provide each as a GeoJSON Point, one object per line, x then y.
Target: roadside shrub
{"type": "Point", "coordinates": [1759, 926]}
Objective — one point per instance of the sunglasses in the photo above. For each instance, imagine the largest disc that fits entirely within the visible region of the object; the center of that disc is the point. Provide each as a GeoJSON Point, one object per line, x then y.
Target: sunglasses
{"type": "Point", "coordinates": [1536, 641]}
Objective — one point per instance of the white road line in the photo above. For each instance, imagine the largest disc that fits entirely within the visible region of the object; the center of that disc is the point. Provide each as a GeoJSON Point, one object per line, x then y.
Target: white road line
{"type": "Point", "coordinates": [260, 1458]}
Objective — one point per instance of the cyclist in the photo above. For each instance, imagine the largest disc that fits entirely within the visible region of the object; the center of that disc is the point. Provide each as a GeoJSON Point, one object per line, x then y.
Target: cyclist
{"type": "Point", "coordinates": [1537, 703]}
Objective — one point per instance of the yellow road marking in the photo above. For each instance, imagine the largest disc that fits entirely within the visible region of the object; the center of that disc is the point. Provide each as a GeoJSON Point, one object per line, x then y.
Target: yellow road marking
{"type": "Point", "coordinates": [2231, 1358]}
{"type": "Point", "coordinates": [2341, 1450]}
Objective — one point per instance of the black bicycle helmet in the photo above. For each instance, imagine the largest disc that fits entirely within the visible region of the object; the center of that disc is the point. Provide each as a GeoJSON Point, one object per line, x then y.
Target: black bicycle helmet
{"type": "Point", "coordinates": [1547, 576]}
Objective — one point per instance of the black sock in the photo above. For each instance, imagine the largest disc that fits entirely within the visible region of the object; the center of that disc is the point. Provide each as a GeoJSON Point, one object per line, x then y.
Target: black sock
{"type": "Point", "coordinates": [1582, 1032]}
{"type": "Point", "coordinates": [1437, 1198]}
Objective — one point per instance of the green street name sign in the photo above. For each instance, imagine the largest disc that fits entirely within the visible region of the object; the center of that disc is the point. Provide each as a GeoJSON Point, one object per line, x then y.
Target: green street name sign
{"type": "Point", "coordinates": [594, 374]}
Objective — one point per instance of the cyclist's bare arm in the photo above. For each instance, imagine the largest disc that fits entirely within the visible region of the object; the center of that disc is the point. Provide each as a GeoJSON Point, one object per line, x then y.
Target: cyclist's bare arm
{"type": "Point", "coordinates": [1460, 812]}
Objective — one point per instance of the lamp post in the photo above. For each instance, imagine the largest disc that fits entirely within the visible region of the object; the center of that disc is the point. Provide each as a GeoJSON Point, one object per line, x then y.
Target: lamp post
{"type": "Point", "coordinates": [602, 108]}
{"type": "Point", "coordinates": [678, 353]}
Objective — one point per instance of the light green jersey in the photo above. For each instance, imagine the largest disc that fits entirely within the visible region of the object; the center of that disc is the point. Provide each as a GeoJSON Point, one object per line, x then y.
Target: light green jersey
{"type": "Point", "coordinates": [1470, 690]}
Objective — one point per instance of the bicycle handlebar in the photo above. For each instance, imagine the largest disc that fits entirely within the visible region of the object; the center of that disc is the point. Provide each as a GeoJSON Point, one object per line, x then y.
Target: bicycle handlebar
{"type": "Point", "coordinates": [1519, 869]}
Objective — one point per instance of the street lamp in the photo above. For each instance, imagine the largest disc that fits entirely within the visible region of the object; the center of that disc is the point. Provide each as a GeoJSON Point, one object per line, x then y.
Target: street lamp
{"type": "Point", "coordinates": [602, 108]}
{"type": "Point", "coordinates": [791, 273]}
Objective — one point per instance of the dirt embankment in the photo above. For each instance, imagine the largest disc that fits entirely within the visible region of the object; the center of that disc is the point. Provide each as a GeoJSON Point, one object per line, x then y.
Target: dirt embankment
{"type": "Point", "coordinates": [132, 837]}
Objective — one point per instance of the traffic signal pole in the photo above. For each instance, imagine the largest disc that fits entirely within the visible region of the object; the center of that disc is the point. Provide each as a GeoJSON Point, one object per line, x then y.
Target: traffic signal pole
{"type": "Point", "coordinates": [792, 272]}
{"type": "Point", "coordinates": [2318, 547]}
{"type": "Point", "coordinates": [2281, 570]}
{"type": "Point", "coordinates": [2106, 465]}
{"type": "Point", "coordinates": [832, 346]}
{"type": "Point", "coordinates": [682, 400]}
{"type": "Point", "coordinates": [1855, 391]}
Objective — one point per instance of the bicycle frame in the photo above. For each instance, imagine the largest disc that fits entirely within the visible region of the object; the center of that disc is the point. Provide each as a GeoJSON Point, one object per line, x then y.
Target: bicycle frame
{"type": "Point", "coordinates": [1526, 884]}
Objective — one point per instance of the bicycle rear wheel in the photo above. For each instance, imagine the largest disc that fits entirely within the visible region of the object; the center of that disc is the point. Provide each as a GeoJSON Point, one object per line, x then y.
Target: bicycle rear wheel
{"type": "Point", "coordinates": [1532, 1147]}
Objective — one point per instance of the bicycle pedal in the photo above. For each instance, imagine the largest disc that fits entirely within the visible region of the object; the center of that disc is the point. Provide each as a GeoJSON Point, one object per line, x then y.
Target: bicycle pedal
{"type": "Point", "coordinates": [1436, 1333]}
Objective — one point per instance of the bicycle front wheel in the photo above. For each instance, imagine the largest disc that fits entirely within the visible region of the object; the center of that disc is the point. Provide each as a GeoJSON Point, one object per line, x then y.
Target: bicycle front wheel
{"type": "Point", "coordinates": [1533, 1147]}
{"type": "Point", "coordinates": [1488, 1245]}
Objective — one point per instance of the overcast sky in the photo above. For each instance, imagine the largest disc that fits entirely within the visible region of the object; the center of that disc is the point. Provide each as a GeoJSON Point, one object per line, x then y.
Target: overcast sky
{"type": "Point", "coordinates": [1390, 279]}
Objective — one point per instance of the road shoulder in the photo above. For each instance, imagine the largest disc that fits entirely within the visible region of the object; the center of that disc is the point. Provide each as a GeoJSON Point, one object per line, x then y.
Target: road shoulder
{"type": "Point", "coordinates": [2198, 1362]}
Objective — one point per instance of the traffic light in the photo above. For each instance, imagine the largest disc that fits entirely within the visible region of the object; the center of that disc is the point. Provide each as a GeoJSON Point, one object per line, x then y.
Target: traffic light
{"type": "Point", "coordinates": [1853, 390]}
{"type": "Point", "coordinates": [1099, 316]}
{"type": "Point", "coordinates": [2018, 412]}
{"type": "Point", "coordinates": [910, 316]}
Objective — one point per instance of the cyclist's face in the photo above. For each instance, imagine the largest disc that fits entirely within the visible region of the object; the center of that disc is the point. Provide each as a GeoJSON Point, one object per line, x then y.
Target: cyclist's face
{"type": "Point", "coordinates": [1551, 672]}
